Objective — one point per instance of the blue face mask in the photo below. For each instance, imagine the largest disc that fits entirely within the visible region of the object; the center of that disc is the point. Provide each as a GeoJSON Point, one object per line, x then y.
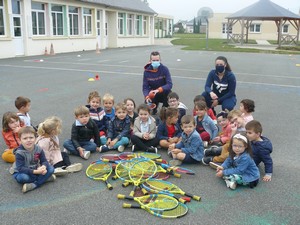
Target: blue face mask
{"type": "Point", "coordinates": [220, 68]}
{"type": "Point", "coordinates": [155, 64]}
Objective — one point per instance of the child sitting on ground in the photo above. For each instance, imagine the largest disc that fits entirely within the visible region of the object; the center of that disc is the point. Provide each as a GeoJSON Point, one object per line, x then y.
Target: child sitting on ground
{"type": "Point", "coordinates": [31, 168]}
{"type": "Point", "coordinates": [261, 147]}
{"type": "Point", "coordinates": [118, 130]}
{"type": "Point", "coordinates": [173, 101]}
{"type": "Point", "coordinates": [144, 131]}
{"type": "Point", "coordinates": [97, 113]}
{"type": "Point", "coordinates": [168, 131]}
{"type": "Point", "coordinates": [225, 135]}
{"type": "Point", "coordinates": [239, 167]}
{"type": "Point", "coordinates": [83, 130]}
{"type": "Point", "coordinates": [48, 132]}
{"type": "Point", "coordinates": [23, 105]}
{"type": "Point", "coordinates": [190, 148]}
{"type": "Point", "coordinates": [210, 112]}
{"type": "Point", "coordinates": [11, 125]}
{"type": "Point", "coordinates": [108, 103]}
{"type": "Point", "coordinates": [247, 108]}
{"type": "Point", "coordinates": [130, 106]}
{"type": "Point", "coordinates": [204, 124]}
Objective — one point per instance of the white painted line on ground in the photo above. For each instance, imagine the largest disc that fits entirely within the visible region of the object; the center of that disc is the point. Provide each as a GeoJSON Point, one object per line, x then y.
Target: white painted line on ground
{"type": "Point", "coordinates": [125, 61]}
{"type": "Point", "coordinates": [140, 74]}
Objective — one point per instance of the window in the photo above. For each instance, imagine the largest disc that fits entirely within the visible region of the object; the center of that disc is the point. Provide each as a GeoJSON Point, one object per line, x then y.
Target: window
{"type": "Point", "coordinates": [138, 20]}
{"type": "Point", "coordinates": [2, 28]}
{"type": "Point", "coordinates": [225, 29]}
{"type": "Point", "coordinates": [57, 20]}
{"type": "Point", "coordinates": [38, 18]}
{"type": "Point", "coordinates": [145, 27]}
{"type": "Point", "coordinates": [87, 21]}
{"type": "Point", "coordinates": [285, 29]}
{"type": "Point", "coordinates": [121, 23]}
{"type": "Point", "coordinates": [73, 20]}
{"type": "Point", "coordinates": [255, 28]}
{"type": "Point", "coordinates": [130, 24]}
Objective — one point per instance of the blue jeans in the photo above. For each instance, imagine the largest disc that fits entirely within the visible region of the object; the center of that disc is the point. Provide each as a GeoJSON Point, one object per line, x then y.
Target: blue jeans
{"type": "Point", "coordinates": [228, 103]}
{"type": "Point", "coordinates": [37, 179]}
{"type": "Point", "coordinates": [122, 141]}
{"type": "Point", "coordinates": [87, 145]}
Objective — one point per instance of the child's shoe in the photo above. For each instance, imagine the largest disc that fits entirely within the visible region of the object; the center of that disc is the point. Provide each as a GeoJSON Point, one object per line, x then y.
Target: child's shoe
{"type": "Point", "coordinates": [231, 184]}
{"type": "Point", "coordinates": [213, 151]}
{"type": "Point", "coordinates": [66, 151]}
{"type": "Point", "coordinates": [51, 178]}
{"type": "Point", "coordinates": [86, 154]}
{"type": "Point", "coordinates": [60, 171]}
{"type": "Point", "coordinates": [133, 148]}
{"type": "Point", "coordinates": [104, 148]}
{"type": "Point", "coordinates": [121, 148]}
{"type": "Point", "coordinates": [28, 187]}
{"type": "Point", "coordinates": [175, 162]}
{"type": "Point", "coordinates": [76, 167]}
{"type": "Point", "coordinates": [206, 160]}
{"type": "Point", "coordinates": [12, 168]}
{"type": "Point", "coordinates": [152, 149]}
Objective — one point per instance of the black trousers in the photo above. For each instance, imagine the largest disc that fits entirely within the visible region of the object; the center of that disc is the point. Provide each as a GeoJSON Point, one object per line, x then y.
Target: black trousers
{"type": "Point", "coordinates": [142, 144]}
{"type": "Point", "coordinates": [65, 162]}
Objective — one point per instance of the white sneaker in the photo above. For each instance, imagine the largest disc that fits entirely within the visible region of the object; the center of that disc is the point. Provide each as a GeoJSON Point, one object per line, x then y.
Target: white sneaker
{"type": "Point", "coordinates": [60, 171]}
{"type": "Point", "coordinates": [230, 184]}
{"type": "Point", "coordinates": [12, 168]}
{"type": "Point", "coordinates": [67, 151]}
{"type": "Point", "coordinates": [28, 187]}
{"type": "Point", "coordinates": [132, 148]}
{"type": "Point", "coordinates": [51, 178]}
{"type": "Point", "coordinates": [121, 148]}
{"type": "Point", "coordinates": [86, 154]}
{"type": "Point", "coordinates": [76, 167]}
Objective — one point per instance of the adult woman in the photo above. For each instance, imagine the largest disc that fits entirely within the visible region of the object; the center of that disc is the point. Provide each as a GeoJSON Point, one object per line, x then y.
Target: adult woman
{"type": "Point", "coordinates": [220, 85]}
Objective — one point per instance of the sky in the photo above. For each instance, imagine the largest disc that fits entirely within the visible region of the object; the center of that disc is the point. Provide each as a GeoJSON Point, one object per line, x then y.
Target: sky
{"type": "Point", "coordinates": [187, 9]}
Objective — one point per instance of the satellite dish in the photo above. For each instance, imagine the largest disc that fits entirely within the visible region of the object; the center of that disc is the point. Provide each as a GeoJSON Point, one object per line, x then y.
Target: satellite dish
{"type": "Point", "coordinates": [205, 13]}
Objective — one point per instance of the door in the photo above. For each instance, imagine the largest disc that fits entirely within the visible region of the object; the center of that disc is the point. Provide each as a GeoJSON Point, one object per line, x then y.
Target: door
{"type": "Point", "coordinates": [99, 32]}
{"type": "Point", "coordinates": [18, 40]}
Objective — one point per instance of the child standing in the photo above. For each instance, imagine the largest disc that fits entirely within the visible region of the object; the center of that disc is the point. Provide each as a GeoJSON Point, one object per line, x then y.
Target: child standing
{"type": "Point", "coordinates": [31, 168]}
{"type": "Point", "coordinates": [239, 167]}
{"type": "Point", "coordinates": [11, 125]}
{"type": "Point", "coordinates": [247, 108]}
{"type": "Point", "coordinates": [169, 131]}
{"type": "Point", "coordinates": [190, 148]}
{"type": "Point", "coordinates": [83, 130]}
{"type": "Point", "coordinates": [23, 105]}
{"type": "Point", "coordinates": [204, 124]}
{"type": "Point", "coordinates": [261, 147]}
{"type": "Point", "coordinates": [173, 101]}
{"type": "Point", "coordinates": [144, 131]}
{"type": "Point", "coordinates": [108, 103]}
{"type": "Point", "coordinates": [97, 114]}
{"type": "Point", "coordinates": [48, 132]}
{"type": "Point", "coordinates": [118, 130]}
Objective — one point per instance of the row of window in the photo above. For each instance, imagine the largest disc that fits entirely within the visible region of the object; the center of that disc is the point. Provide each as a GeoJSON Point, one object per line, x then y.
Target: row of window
{"type": "Point", "coordinates": [79, 20]}
{"type": "Point", "coordinates": [254, 28]}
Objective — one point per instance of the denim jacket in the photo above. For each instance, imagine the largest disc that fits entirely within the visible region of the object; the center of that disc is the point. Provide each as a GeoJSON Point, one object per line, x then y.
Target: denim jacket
{"type": "Point", "coordinates": [209, 126]}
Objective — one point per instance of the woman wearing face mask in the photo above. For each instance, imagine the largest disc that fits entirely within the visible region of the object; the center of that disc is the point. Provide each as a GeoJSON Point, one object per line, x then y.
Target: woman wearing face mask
{"type": "Point", "coordinates": [157, 82]}
{"type": "Point", "coordinates": [220, 86]}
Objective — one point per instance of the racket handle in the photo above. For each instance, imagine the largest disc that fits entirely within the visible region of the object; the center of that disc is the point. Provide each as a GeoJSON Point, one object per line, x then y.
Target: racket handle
{"type": "Point", "coordinates": [158, 160]}
{"type": "Point", "coordinates": [126, 205]}
{"type": "Point", "coordinates": [125, 184]}
{"type": "Point", "coordinates": [145, 192]}
{"type": "Point", "coordinates": [177, 175]}
{"type": "Point", "coordinates": [195, 197]}
{"type": "Point", "coordinates": [115, 177]}
{"type": "Point", "coordinates": [109, 186]}
{"type": "Point", "coordinates": [119, 196]}
{"type": "Point", "coordinates": [131, 193]}
{"type": "Point", "coordinates": [105, 160]}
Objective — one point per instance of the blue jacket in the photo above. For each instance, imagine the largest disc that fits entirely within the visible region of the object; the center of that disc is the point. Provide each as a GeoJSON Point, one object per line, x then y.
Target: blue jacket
{"type": "Point", "coordinates": [243, 165]}
{"type": "Point", "coordinates": [192, 145]}
{"type": "Point", "coordinates": [119, 128]}
{"type": "Point", "coordinates": [153, 79]}
{"type": "Point", "coordinates": [27, 161]}
{"type": "Point", "coordinates": [162, 131]}
{"type": "Point", "coordinates": [224, 88]}
{"type": "Point", "coordinates": [209, 126]}
{"type": "Point", "coordinates": [99, 117]}
{"type": "Point", "coordinates": [261, 153]}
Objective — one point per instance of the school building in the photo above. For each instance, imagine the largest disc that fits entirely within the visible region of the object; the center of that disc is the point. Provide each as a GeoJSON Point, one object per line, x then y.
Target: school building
{"type": "Point", "coordinates": [30, 27]}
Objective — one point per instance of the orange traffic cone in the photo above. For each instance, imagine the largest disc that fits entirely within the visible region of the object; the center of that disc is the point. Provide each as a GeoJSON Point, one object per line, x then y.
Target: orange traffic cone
{"type": "Point", "coordinates": [46, 52]}
{"type": "Point", "coordinates": [97, 77]}
{"type": "Point", "coordinates": [97, 49]}
{"type": "Point", "coordinates": [52, 50]}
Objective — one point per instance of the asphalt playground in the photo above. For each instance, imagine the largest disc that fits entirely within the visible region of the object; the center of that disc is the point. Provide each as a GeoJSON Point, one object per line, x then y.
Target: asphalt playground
{"type": "Point", "coordinates": [57, 84]}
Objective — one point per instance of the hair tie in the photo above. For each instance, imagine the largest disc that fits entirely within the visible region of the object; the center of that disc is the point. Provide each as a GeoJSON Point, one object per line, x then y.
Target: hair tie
{"type": "Point", "coordinates": [239, 136]}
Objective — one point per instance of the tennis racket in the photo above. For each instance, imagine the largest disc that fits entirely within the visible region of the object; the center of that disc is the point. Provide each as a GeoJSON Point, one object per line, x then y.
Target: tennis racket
{"type": "Point", "coordinates": [163, 185]}
{"type": "Point", "coordinates": [100, 170]}
{"type": "Point", "coordinates": [180, 211]}
{"type": "Point", "coordinates": [176, 169]}
{"type": "Point", "coordinates": [148, 155]}
{"type": "Point", "coordinates": [141, 171]}
{"type": "Point", "coordinates": [154, 201]}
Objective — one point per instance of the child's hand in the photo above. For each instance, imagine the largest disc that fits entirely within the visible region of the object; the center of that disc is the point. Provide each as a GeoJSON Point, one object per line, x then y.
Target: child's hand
{"type": "Point", "coordinates": [146, 136]}
{"type": "Point", "coordinates": [219, 168]}
{"type": "Point", "coordinates": [80, 150]}
{"type": "Point", "coordinates": [176, 151]}
{"type": "Point", "coordinates": [16, 129]}
{"type": "Point", "coordinates": [171, 146]}
{"type": "Point", "coordinates": [217, 139]}
{"type": "Point", "coordinates": [97, 149]}
{"type": "Point", "coordinates": [219, 173]}
{"type": "Point", "coordinates": [267, 178]}
{"type": "Point", "coordinates": [112, 143]}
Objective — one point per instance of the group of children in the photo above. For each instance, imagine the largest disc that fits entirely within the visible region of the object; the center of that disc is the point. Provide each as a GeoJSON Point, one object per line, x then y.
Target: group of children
{"type": "Point", "coordinates": [231, 138]}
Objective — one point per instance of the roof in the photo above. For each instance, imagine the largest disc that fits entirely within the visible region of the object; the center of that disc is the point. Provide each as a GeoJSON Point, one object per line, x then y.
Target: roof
{"type": "Point", "coordinates": [264, 10]}
{"type": "Point", "coordinates": [132, 5]}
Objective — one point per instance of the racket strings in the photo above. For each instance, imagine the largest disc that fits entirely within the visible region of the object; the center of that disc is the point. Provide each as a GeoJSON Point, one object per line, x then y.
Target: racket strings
{"type": "Point", "coordinates": [160, 202]}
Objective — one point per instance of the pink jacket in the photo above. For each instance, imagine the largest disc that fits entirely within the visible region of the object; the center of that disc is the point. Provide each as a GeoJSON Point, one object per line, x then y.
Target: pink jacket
{"type": "Point", "coordinates": [50, 145]}
{"type": "Point", "coordinates": [225, 135]}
